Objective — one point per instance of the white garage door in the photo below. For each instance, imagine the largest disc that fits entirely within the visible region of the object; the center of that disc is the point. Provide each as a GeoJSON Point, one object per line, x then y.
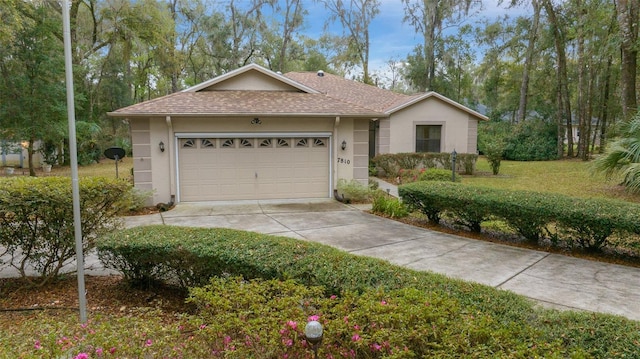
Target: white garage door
{"type": "Point", "coordinates": [253, 168]}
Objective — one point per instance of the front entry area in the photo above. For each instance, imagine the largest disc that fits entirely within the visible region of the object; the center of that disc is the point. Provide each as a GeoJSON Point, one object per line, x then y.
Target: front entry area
{"type": "Point", "coordinates": [239, 168]}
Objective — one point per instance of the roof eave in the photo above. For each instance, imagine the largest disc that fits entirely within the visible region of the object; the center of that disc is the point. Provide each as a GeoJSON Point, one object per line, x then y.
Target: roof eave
{"type": "Point", "coordinates": [249, 114]}
{"type": "Point", "coordinates": [246, 68]}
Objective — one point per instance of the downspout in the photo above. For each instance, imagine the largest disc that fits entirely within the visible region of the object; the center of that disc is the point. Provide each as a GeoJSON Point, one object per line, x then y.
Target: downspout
{"type": "Point", "coordinates": [172, 178]}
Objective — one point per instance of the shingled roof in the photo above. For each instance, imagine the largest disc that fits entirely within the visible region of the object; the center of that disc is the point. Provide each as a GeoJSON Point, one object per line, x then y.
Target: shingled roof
{"type": "Point", "coordinates": [308, 95]}
{"type": "Point", "coordinates": [352, 91]}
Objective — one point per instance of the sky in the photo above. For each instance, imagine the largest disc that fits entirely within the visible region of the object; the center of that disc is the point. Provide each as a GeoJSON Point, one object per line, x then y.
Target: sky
{"type": "Point", "coordinates": [390, 37]}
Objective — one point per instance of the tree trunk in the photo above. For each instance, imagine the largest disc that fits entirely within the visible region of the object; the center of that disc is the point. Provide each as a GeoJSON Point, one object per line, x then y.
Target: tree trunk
{"type": "Point", "coordinates": [524, 87]}
{"type": "Point", "coordinates": [627, 11]}
{"type": "Point", "coordinates": [564, 98]}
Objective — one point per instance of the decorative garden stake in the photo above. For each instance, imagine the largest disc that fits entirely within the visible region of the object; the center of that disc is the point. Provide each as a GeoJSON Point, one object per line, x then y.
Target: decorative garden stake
{"type": "Point", "coordinates": [313, 334]}
{"type": "Point", "coordinates": [454, 156]}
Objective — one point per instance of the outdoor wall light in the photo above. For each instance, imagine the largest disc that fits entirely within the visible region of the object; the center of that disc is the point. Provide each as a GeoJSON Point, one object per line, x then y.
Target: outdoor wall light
{"type": "Point", "coordinates": [313, 335]}
{"type": "Point", "coordinates": [344, 145]}
{"type": "Point", "coordinates": [161, 145]}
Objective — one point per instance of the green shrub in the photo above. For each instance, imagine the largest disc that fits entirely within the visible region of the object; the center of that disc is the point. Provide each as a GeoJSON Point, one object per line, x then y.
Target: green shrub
{"type": "Point", "coordinates": [389, 206]}
{"type": "Point", "coordinates": [36, 219]}
{"type": "Point", "coordinates": [392, 164]}
{"type": "Point", "coordinates": [374, 299]}
{"type": "Point", "coordinates": [494, 152]}
{"type": "Point", "coordinates": [437, 174]}
{"type": "Point", "coordinates": [585, 223]}
{"type": "Point", "coordinates": [354, 191]}
{"type": "Point", "coordinates": [532, 140]}
{"type": "Point", "coordinates": [267, 318]}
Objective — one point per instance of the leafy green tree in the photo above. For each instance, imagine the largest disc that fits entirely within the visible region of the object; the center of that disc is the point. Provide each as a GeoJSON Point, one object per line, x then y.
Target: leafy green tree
{"type": "Point", "coordinates": [32, 90]}
{"type": "Point", "coordinates": [428, 18]}
{"type": "Point", "coordinates": [355, 16]}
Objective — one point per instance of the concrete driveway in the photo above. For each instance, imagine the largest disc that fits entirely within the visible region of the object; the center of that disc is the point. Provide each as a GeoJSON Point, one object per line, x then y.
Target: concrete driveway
{"type": "Point", "coordinates": [551, 279]}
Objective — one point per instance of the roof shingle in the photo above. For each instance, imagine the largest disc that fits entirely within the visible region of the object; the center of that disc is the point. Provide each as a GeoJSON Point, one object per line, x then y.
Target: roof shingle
{"type": "Point", "coordinates": [354, 92]}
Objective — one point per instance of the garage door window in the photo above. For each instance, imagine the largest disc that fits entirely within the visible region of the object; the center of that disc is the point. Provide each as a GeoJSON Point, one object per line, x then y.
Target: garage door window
{"type": "Point", "coordinates": [283, 142]}
{"type": "Point", "coordinates": [302, 142]}
{"type": "Point", "coordinates": [208, 143]}
{"type": "Point", "coordinates": [228, 143]}
{"type": "Point", "coordinates": [246, 143]}
{"type": "Point", "coordinates": [319, 142]}
{"type": "Point", "coordinates": [266, 143]}
{"type": "Point", "coordinates": [188, 143]}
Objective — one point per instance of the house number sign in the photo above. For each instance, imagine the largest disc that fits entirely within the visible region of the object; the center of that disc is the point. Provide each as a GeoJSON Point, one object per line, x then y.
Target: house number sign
{"type": "Point", "coordinates": [345, 161]}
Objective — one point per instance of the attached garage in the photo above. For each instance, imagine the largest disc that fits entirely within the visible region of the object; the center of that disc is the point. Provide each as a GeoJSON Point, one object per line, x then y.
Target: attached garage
{"type": "Point", "coordinates": [253, 166]}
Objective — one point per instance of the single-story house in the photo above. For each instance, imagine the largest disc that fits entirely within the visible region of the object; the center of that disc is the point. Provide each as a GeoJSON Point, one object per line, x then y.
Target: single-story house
{"type": "Point", "coordinates": [256, 134]}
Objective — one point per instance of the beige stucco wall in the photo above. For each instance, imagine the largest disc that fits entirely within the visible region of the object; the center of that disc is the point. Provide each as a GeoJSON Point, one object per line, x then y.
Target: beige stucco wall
{"type": "Point", "coordinates": [251, 81]}
{"type": "Point", "coordinates": [459, 129]}
{"type": "Point", "coordinates": [244, 124]}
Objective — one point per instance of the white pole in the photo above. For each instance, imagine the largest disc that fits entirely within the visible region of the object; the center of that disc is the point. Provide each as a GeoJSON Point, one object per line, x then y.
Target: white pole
{"type": "Point", "coordinates": [73, 152]}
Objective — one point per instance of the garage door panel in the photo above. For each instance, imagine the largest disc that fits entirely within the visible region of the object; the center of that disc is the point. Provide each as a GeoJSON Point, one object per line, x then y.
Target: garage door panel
{"type": "Point", "coordinates": [227, 173]}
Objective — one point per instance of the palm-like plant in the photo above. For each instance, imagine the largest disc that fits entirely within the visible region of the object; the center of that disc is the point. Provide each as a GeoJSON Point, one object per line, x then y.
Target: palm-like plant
{"type": "Point", "coordinates": [623, 156]}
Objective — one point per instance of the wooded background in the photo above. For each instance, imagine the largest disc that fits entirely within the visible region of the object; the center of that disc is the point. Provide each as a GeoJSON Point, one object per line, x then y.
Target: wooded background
{"type": "Point", "coordinates": [565, 65]}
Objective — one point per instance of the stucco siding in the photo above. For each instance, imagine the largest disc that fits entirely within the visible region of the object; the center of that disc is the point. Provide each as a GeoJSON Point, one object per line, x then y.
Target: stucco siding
{"type": "Point", "coordinates": [472, 139]}
{"type": "Point", "coordinates": [142, 167]}
{"type": "Point", "coordinates": [251, 81]}
{"type": "Point", "coordinates": [245, 124]}
{"type": "Point", "coordinates": [454, 122]}
{"type": "Point", "coordinates": [361, 151]}
{"type": "Point", "coordinates": [384, 136]}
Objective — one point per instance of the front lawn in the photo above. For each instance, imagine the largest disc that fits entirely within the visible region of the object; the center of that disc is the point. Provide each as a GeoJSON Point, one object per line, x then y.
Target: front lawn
{"type": "Point", "coordinates": [569, 177]}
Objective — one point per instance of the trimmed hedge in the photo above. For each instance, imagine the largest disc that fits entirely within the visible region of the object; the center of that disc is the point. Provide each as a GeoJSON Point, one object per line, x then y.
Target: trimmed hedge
{"type": "Point", "coordinates": [586, 223]}
{"type": "Point", "coordinates": [500, 323]}
{"type": "Point", "coordinates": [392, 163]}
{"type": "Point", "coordinates": [36, 219]}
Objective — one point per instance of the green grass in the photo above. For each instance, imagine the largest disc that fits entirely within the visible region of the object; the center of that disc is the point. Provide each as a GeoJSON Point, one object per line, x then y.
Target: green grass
{"type": "Point", "coordinates": [569, 177]}
{"type": "Point", "coordinates": [105, 168]}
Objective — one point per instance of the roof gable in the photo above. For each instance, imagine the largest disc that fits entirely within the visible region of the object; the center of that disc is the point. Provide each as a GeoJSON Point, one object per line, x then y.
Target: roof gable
{"type": "Point", "coordinates": [434, 95]}
{"type": "Point", "coordinates": [251, 77]}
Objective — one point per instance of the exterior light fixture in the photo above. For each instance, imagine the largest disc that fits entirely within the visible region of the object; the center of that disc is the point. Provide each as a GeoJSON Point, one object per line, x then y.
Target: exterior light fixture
{"type": "Point", "coordinates": [344, 145]}
{"type": "Point", "coordinates": [313, 335]}
{"type": "Point", "coordinates": [161, 145]}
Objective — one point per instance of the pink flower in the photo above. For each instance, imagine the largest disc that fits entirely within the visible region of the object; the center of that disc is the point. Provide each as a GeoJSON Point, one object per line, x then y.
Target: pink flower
{"type": "Point", "coordinates": [82, 356]}
{"type": "Point", "coordinates": [376, 347]}
{"type": "Point", "coordinates": [313, 317]}
{"type": "Point", "coordinates": [356, 327]}
{"type": "Point", "coordinates": [383, 302]}
{"type": "Point", "coordinates": [355, 338]}
{"type": "Point", "coordinates": [287, 342]}
{"type": "Point", "coordinates": [112, 350]}
{"type": "Point", "coordinates": [148, 343]}
{"type": "Point", "coordinates": [202, 326]}
{"type": "Point", "coordinates": [227, 339]}
{"type": "Point", "coordinates": [293, 325]}
{"type": "Point", "coordinates": [99, 351]}
{"type": "Point", "coordinates": [333, 297]}
{"type": "Point", "coordinates": [37, 345]}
